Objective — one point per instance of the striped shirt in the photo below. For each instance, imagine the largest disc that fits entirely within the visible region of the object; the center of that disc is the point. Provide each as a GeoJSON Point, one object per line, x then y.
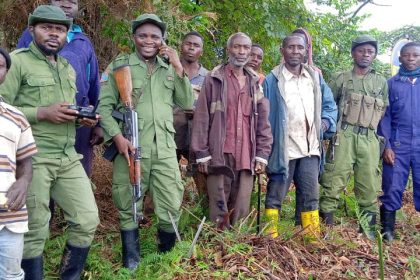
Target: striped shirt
{"type": "Point", "coordinates": [16, 143]}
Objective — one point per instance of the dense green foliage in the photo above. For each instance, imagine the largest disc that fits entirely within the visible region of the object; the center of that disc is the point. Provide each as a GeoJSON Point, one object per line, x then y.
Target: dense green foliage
{"type": "Point", "coordinates": [267, 22]}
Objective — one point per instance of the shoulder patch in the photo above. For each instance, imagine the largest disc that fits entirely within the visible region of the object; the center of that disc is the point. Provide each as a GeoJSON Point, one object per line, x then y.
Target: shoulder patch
{"type": "Point", "coordinates": [120, 60]}
{"type": "Point", "coordinates": [21, 50]}
{"type": "Point", "coordinates": [105, 75]}
{"type": "Point", "coordinates": [338, 78]}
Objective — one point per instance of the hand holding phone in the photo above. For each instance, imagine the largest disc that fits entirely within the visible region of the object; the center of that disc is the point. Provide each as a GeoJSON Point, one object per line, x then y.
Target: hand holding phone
{"type": "Point", "coordinates": [164, 56]}
{"type": "Point", "coordinates": [172, 57]}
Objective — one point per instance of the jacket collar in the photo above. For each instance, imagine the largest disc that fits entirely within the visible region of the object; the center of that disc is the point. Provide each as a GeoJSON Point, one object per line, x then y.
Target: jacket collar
{"type": "Point", "coordinates": [218, 73]}
{"type": "Point", "coordinates": [38, 54]}
{"type": "Point", "coordinates": [371, 70]}
{"type": "Point", "coordinates": [75, 29]}
{"type": "Point", "coordinates": [289, 75]}
{"type": "Point", "coordinates": [305, 68]}
{"type": "Point", "coordinates": [134, 59]}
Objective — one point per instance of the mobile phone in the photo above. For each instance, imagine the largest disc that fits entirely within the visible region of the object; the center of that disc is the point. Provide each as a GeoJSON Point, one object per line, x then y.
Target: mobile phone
{"type": "Point", "coordinates": [164, 57]}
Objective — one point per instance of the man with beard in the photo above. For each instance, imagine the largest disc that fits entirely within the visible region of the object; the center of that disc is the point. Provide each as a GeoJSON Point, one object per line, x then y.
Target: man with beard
{"type": "Point", "coordinates": [302, 114]}
{"type": "Point", "coordinates": [78, 50]}
{"type": "Point", "coordinates": [361, 96]}
{"type": "Point", "coordinates": [158, 84]}
{"type": "Point", "coordinates": [231, 129]}
{"type": "Point", "coordinates": [42, 85]}
{"type": "Point", "coordinates": [255, 60]}
{"type": "Point", "coordinates": [402, 138]}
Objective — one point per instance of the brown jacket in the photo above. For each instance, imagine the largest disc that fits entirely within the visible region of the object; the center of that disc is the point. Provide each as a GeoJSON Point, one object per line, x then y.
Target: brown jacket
{"type": "Point", "coordinates": [209, 125]}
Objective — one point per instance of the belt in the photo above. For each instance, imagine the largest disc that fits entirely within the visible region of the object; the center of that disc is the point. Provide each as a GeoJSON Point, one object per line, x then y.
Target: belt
{"type": "Point", "coordinates": [356, 129]}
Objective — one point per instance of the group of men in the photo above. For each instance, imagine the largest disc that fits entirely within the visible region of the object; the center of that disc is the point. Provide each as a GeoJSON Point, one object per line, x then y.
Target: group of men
{"type": "Point", "coordinates": [232, 122]}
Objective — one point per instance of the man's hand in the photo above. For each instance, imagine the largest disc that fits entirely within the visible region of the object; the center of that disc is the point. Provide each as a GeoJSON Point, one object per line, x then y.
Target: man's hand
{"type": "Point", "coordinates": [203, 167]}
{"type": "Point", "coordinates": [389, 156]}
{"type": "Point", "coordinates": [16, 196]}
{"type": "Point", "coordinates": [124, 146]}
{"type": "Point", "coordinates": [173, 58]}
{"type": "Point", "coordinates": [325, 125]}
{"type": "Point", "coordinates": [259, 167]}
{"type": "Point", "coordinates": [90, 122]}
{"type": "Point", "coordinates": [97, 136]}
{"type": "Point", "coordinates": [57, 113]}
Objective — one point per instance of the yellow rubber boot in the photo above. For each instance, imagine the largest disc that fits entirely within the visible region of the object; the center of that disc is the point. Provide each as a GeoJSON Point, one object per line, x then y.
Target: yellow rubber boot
{"type": "Point", "coordinates": [310, 221]}
{"type": "Point", "coordinates": [273, 222]}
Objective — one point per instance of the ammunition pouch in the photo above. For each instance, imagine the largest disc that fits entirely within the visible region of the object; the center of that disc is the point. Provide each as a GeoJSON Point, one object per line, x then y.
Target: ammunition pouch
{"type": "Point", "coordinates": [378, 112]}
{"type": "Point", "coordinates": [363, 111]}
{"type": "Point", "coordinates": [352, 109]}
{"type": "Point", "coordinates": [366, 111]}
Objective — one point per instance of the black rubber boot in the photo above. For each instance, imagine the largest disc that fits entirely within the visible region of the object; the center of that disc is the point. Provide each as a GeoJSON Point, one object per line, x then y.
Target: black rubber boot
{"type": "Point", "coordinates": [327, 218]}
{"type": "Point", "coordinates": [387, 223]}
{"type": "Point", "coordinates": [371, 217]}
{"type": "Point", "coordinates": [33, 268]}
{"type": "Point", "coordinates": [130, 248]}
{"type": "Point", "coordinates": [73, 262]}
{"type": "Point", "coordinates": [166, 241]}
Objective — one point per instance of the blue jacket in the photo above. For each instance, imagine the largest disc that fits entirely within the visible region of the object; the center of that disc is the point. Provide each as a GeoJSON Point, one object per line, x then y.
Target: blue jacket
{"type": "Point", "coordinates": [325, 109]}
{"type": "Point", "coordinates": [401, 121]}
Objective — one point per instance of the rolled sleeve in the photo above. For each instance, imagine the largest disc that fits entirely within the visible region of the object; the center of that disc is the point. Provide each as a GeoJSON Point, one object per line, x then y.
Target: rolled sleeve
{"type": "Point", "coordinates": [109, 99]}
{"type": "Point", "coordinates": [184, 96]}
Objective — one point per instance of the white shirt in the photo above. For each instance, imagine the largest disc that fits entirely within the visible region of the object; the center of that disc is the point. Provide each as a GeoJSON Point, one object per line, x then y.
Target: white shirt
{"type": "Point", "coordinates": [299, 95]}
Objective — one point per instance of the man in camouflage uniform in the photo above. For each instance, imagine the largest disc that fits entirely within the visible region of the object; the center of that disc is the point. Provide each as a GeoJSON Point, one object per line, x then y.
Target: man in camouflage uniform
{"type": "Point", "coordinates": [42, 85]}
{"type": "Point", "coordinates": [362, 96]}
{"type": "Point", "coordinates": [157, 86]}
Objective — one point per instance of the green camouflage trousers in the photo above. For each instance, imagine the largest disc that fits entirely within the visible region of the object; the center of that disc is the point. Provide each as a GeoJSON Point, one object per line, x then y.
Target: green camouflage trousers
{"type": "Point", "coordinates": [355, 152]}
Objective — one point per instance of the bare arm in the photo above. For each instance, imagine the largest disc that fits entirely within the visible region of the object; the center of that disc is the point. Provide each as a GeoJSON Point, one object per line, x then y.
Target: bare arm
{"type": "Point", "coordinates": [17, 192]}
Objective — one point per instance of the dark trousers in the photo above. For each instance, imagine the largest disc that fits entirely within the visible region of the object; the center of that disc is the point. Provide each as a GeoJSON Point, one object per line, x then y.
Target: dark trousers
{"type": "Point", "coordinates": [226, 195]}
{"type": "Point", "coordinates": [304, 172]}
{"type": "Point", "coordinates": [395, 177]}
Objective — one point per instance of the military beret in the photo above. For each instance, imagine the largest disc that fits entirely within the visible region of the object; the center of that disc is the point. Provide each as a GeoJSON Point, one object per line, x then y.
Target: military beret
{"type": "Point", "coordinates": [148, 18]}
{"type": "Point", "coordinates": [51, 14]}
{"type": "Point", "coordinates": [364, 39]}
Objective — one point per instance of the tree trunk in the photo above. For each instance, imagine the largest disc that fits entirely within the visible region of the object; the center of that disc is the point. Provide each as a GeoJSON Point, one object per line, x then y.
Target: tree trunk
{"type": "Point", "coordinates": [147, 6]}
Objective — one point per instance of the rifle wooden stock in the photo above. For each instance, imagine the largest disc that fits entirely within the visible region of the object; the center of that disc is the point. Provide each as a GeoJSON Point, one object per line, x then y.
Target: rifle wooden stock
{"type": "Point", "coordinates": [124, 84]}
{"type": "Point", "coordinates": [122, 77]}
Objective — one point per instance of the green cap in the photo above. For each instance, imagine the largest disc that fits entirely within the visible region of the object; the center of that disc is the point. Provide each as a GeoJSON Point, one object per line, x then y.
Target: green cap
{"type": "Point", "coordinates": [364, 39]}
{"type": "Point", "coordinates": [148, 18]}
{"type": "Point", "coordinates": [51, 14]}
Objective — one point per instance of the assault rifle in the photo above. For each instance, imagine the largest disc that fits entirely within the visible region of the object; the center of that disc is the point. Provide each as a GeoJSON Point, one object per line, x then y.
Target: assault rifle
{"type": "Point", "coordinates": [129, 118]}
